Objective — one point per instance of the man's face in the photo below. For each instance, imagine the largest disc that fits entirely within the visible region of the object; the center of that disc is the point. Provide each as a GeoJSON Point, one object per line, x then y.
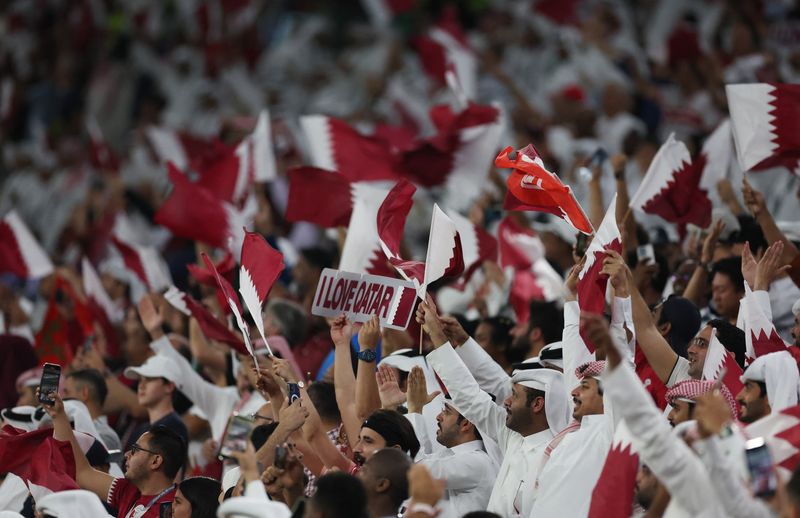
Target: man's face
{"type": "Point", "coordinates": [587, 399]}
{"type": "Point", "coordinates": [483, 335]}
{"type": "Point", "coordinates": [518, 412]}
{"type": "Point", "coordinates": [796, 330]}
{"type": "Point", "coordinates": [696, 352]}
{"type": "Point", "coordinates": [72, 390]}
{"type": "Point", "coordinates": [137, 460]}
{"type": "Point", "coordinates": [447, 426]}
{"type": "Point", "coordinates": [646, 486]}
{"type": "Point", "coordinates": [680, 412]}
{"type": "Point", "coordinates": [752, 403]}
{"type": "Point", "coordinates": [27, 396]}
{"type": "Point", "coordinates": [725, 296]}
{"type": "Point", "coordinates": [369, 441]}
{"type": "Point", "coordinates": [153, 391]}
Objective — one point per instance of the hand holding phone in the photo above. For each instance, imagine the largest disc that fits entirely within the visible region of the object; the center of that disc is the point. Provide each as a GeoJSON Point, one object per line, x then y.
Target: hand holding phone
{"type": "Point", "coordinates": [281, 452]}
{"type": "Point", "coordinates": [763, 478]}
{"type": "Point", "coordinates": [236, 436]}
{"type": "Point", "coordinates": [51, 374]}
{"type": "Point", "coordinates": [294, 392]}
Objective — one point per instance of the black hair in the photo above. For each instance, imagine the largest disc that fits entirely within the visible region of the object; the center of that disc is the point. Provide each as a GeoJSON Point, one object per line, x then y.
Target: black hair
{"type": "Point", "coordinates": [684, 319]}
{"type": "Point", "coordinates": [531, 394]}
{"type": "Point", "coordinates": [261, 433]}
{"type": "Point", "coordinates": [98, 390]}
{"type": "Point", "coordinates": [393, 465]}
{"type": "Point", "coordinates": [731, 337]}
{"type": "Point", "coordinates": [171, 446]}
{"type": "Point", "coordinates": [549, 318]}
{"type": "Point", "coordinates": [501, 329]}
{"type": "Point", "coordinates": [323, 395]}
{"type": "Point", "coordinates": [732, 268]}
{"type": "Point", "coordinates": [318, 257]}
{"type": "Point", "coordinates": [340, 495]}
{"type": "Point", "coordinates": [395, 429]}
{"type": "Point", "coordinates": [474, 428]}
{"type": "Point", "coordinates": [763, 388]}
{"type": "Point", "coordinates": [203, 494]}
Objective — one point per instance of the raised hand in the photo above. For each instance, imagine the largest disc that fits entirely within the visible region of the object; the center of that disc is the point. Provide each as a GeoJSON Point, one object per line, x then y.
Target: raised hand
{"type": "Point", "coordinates": [453, 330]}
{"type": "Point", "coordinates": [618, 273]}
{"type": "Point", "coordinates": [595, 327]}
{"type": "Point", "coordinates": [152, 319]}
{"type": "Point", "coordinates": [749, 266]}
{"type": "Point", "coordinates": [341, 331]}
{"type": "Point", "coordinates": [266, 382]}
{"type": "Point", "coordinates": [753, 199]}
{"type": "Point", "coordinates": [389, 388]}
{"type": "Point", "coordinates": [417, 392]}
{"type": "Point", "coordinates": [429, 320]}
{"type": "Point", "coordinates": [770, 267]}
{"type": "Point", "coordinates": [370, 333]}
{"type": "Point", "coordinates": [710, 243]}
{"type": "Point", "coordinates": [712, 413]}
{"type": "Point", "coordinates": [283, 369]}
{"type": "Point", "coordinates": [572, 279]}
{"type": "Point", "coordinates": [292, 416]}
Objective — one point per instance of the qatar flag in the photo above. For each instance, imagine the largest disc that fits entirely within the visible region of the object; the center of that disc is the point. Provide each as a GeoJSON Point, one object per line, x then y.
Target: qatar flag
{"type": "Point", "coordinates": [20, 253]}
{"type": "Point", "coordinates": [591, 282]}
{"type": "Point", "coordinates": [671, 187]}
{"type": "Point", "coordinates": [477, 245]}
{"type": "Point", "coordinates": [717, 155]}
{"type": "Point", "coordinates": [766, 124]}
{"type": "Point", "coordinates": [612, 496]}
{"type": "Point", "coordinates": [362, 252]}
{"type": "Point", "coordinates": [720, 360]}
{"type": "Point", "coordinates": [212, 328]}
{"type": "Point", "coordinates": [105, 312]}
{"type": "Point", "coordinates": [261, 266]}
{"type": "Point", "coordinates": [184, 150]}
{"type": "Point", "coordinates": [781, 430]}
{"type": "Point", "coordinates": [192, 212]}
{"type": "Point", "coordinates": [760, 335]}
{"type": "Point", "coordinates": [336, 146]}
{"type": "Point", "coordinates": [445, 47]}
{"type": "Point", "coordinates": [322, 197]}
{"type": "Point", "coordinates": [531, 187]}
{"type": "Point", "coordinates": [38, 459]}
{"type": "Point", "coordinates": [145, 262]}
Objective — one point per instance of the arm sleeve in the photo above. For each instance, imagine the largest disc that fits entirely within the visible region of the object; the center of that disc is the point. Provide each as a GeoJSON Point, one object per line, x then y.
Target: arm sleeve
{"type": "Point", "coordinates": [215, 402]}
{"type": "Point", "coordinates": [575, 351]}
{"type": "Point", "coordinates": [667, 456]}
{"type": "Point", "coordinates": [472, 402]}
{"type": "Point", "coordinates": [461, 472]}
{"type": "Point", "coordinates": [421, 429]}
{"type": "Point", "coordinates": [735, 498]}
{"type": "Point", "coordinates": [255, 488]}
{"type": "Point", "coordinates": [622, 318]}
{"type": "Point", "coordinates": [490, 376]}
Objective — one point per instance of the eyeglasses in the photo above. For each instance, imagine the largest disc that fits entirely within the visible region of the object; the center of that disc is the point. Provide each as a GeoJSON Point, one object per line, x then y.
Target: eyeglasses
{"type": "Point", "coordinates": [264, 417]}
{"type": "Point", "coordinates": [698, 342]}
{"type": "Point", "coordinates": [135, 447]}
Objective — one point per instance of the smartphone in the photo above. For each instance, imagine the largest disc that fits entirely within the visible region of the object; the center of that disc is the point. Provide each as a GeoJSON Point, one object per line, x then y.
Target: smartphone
{"type": "Point", "coordinates": [237, 433]}
{"type": "Point", "coordinates": [51, 374]}
{"type": "Point", "coordinates": [581, 244]}
{"type": "Point", "coordinates": [294, 392]}
{"type": "Point", "coordinates": [598, 157]}
{"type": "Point", "coordinates": [645, 253]}
{"type": "Point", "coordinates": [281, 453]}
{"type": "Point", "coordinates": [763, 479]}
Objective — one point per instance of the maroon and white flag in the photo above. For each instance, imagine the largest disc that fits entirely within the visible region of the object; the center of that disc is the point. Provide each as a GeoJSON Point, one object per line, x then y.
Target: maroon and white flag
{"type": "Point", "coordinates": [184, 150]}
{"type": "Point", "coordinates": [591, 282]}
{"type": "Point", "coordinates": [766, 124]}
{"type": "Point", "coordinates": [145, 262]}
{"type": "Point", "coordinates": [336, 146]}
{"type": "Point", "coordinates": [261, 266]}
{"type": "Point", "coordinates": [212, 328]}
{"type": "Point", "coordinates": [671, 187]}
{"type": "Point", "coordinates": [612, 496]}
{"type": "Point", "coordinates": [759, 332]}
{"type": "Point", "coordinates": [716, 154]}
{"type": "Point", "coordinates": [321, 197]}
{"type": "Point", "coordinates": [47, 465]}
{"type": "Point", "coordinates": [477, 245]}
{"type": "Point", "coordinates": [782, 433]}
{"type": "Point", "coordinates": [362, 252]}
{"type": "Point", "coordinates": [720, 360]}
{"type": "Point", "coordinates": [20, 253]}
{"type": "Point", "coordinates": [192, 212]}
{"type": "Point", "coordinates": [445, 47]}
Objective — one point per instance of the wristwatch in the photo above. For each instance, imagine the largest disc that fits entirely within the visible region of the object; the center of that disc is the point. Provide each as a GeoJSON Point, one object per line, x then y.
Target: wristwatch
{"type": "Point", "coordinates": [367, 355]}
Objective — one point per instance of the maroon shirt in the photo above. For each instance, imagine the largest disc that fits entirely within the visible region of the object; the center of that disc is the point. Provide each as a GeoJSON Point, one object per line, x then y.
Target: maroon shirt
{"type": "Point", "coordinates": [125, 497]}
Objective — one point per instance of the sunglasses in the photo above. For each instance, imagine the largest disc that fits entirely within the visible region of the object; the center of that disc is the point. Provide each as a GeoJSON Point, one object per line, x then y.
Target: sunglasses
{"type": "Point", "coordinates": [135, 447]}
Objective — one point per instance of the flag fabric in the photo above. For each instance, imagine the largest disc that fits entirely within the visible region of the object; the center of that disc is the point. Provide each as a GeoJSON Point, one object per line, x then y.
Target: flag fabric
{"type": "Point", "coordinates": [671, 186]}
{"type": "Point", "coordinates": [781, 430]}
{"type": "Point", "coordinates": [226, 268]}
{"type": "Point", "coordinates": [591, 283]}
{"type": "Point", "coordinates": [145, 262]}
{"type": "Point", "coordinates": [445, 47]}
{"type": "Point", "coordinates": [765, 119]}
{"type": "Point", "coordinates": [760, 335]}
{"type": "Point", "coordinates": [212, 328]}
{"type": "Point", "coordinates": [531, 187]}
{"type": "Point", "coordinates": [336, 146]}
{"type": "Point", "coordinates": [192, 212]}
{"type": "Point", "coordinates": [68, 322]}
{"type": "Point", "coordinates": [233, 303]}
{"type": "Point", "coordinates": [20, 253]}
{"type": "Point", "coordinates": [612, 496]}
{"type": "Point", "coordinates": [103, 309]}
{"type": "Point", "coordinates": [184, 150]}
{"type": "Point", "coordinates": [717, 155]}
{"type": "Point", "coordinates": [477, 245]}
{"type": "Point", "coordinates": [321, 197]}
{"type": "Point", "coordinates": [361, 252]}
{"type": "Point", "coordinates": [261, 266]}
{"type": "Point", "coordinates": [445, 255]}
{"type": "Point", "coordinates": [101, 156]}
{"type": "Point", "coordinates": [37, 458]}
{"type": "Point", "coordinates": [719, 359]}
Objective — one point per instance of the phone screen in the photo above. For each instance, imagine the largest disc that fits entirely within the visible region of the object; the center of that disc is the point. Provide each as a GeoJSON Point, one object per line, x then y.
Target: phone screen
{"type": "Point", "coordinates": [280, 457]}
{"type": "Point", "coordinates": [763, 479]}
{"type": "Point", "coordinates": [236, 435]}
{"type": "Point", "coordinates": [581, 244]}
{"type": "Point", "coordinates": [294, 392]}
{"type": "Point", "coordinates": [646, 254]}
{"type": "Point", "coordinates": [51, 374]}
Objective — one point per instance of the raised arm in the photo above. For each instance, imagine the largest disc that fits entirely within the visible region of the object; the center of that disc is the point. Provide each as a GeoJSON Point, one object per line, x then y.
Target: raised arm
{"type": "Point", "coordinates": [698, 283]}
{"type": "Point", "coordinates": [85, 475]}
{"type": "Point", "coordinates": [367, 398]}
{"type": "Point", "coordinates": [757, 206]}
{"type": "Point", "coordinates": [344, 380]}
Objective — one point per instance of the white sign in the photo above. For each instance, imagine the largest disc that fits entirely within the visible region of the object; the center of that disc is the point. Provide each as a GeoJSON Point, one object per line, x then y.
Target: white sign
{"type": "Point", "coordinates": [359, 296]}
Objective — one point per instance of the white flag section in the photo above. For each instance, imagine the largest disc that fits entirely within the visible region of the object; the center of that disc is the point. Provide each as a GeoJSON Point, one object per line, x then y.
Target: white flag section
{"type": "Point", "coordinates": [718, 151]}
{"type": "Point", "coordinates": [442, 249]}
{"type": "Point", "coordinates": [671, 158]}
{"type": "Point", "coordinates": [752, 120]}
{"type": "Point", "coordinates": [320, 141]}
{"type": "Point", "coordinates": [36, 262]}
{"type": "Point", "coordinates": [94, 289]}
{"type": "Point", "coordinates": [250, 298]}
{"type": "Point", "coordinates": [256, 153]}
{"type": "Point", "coordinates": [362, 249]}
{"type": "Point", "coordinates": [168, 147]}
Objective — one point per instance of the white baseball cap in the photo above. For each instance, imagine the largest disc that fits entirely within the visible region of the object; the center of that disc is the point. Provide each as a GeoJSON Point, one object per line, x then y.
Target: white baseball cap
{"type": "Point", "coordinates": [157, 366]}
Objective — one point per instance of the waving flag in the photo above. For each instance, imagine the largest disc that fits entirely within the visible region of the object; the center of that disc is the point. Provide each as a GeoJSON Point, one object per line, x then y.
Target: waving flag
{"type": "Point", "coordinates": [671, 187]}
{"type": "Point", "coordinates": [612, 496]}
{"type": "Point", "coordinates": [145, 262]}
{"type": "Point", "coordinates": [233, 303]}
{"type": "Point", "coordinates": [362, 251]}
{"type": "Point", "coordinates": [766, 124]}
{"type": "Point", "coordinates": [319, 196]}
{"type": "Point", "coordinates": [760, 335]}
{"type": "Point", "coordinates": [37, 458]}
{"type": "Point", "coordinates": [336, 146]}
{"type": "Point", "coordinates": [212, 328]}
{"type": "Point", "coordinates": [782, 433]}
{"type": "Point", "coordinates": [261, 266]}
{"type": "Point", "coordinates": [591, 283]}
{"type": "Point", "coordinates": [531, 187]}
{"type": "Point", "coordinates": [63, 332]}
{"type": "Point", "coordinates": [716, 155]}
{"type": "Point", "coordinates": [183, 150]}
{"type": "Point", "coordinates": [445, 47]}
{"type": "Point", "coordinates": [20, 253]}
{"type": "Point", "coordinates": [719, 360]}
{"type": "Point", "coordinates": [477, 245]}
{"type": "Point", "coordinates": [105, 312]}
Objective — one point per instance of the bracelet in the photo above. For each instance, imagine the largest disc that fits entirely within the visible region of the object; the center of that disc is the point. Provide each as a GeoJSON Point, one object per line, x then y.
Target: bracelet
{"type": "Point", "coordinates": [421, 507]}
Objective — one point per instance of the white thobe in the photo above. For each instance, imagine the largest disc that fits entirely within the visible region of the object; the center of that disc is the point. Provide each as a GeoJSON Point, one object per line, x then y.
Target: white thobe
{"type": "Point", "coordinates": [511, 495]}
